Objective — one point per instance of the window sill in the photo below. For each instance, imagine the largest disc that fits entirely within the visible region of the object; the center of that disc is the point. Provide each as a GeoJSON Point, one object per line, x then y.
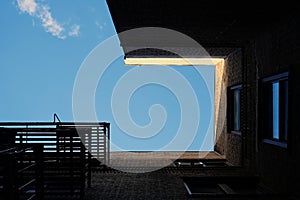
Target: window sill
{"type": "Point", "coordinates": [236, 132]}
{"type": "Point", "coordinates": [277, 143]}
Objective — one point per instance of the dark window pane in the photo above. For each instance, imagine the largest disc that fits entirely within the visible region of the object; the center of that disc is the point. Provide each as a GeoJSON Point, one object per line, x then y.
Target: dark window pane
{"type": "Point", "coordinates": [236, 110]}
{"type": "Point", "coordinates": [283, 109]}
{"type": "Point", "coordinates": [274, 107]}
{"type": "Point", "coordinates": [275, 110]}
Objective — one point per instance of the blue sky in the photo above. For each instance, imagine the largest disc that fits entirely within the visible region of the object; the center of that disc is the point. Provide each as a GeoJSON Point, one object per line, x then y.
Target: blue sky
{"type": "Point", "coordinates": [43, 43]}
{"type": "Point", "coordinates": [38, 63]}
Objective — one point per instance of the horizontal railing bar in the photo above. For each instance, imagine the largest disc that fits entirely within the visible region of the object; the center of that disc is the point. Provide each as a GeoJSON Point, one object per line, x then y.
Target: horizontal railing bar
{"type": "Point", "coordinates": [53, 123]}
{"type": "Point", "coordinates": [27, 167]}
{"type": "Point", "coordinates": [27, 184]}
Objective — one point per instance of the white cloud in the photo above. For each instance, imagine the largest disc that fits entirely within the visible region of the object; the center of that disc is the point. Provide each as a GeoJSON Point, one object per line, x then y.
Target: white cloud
{"type": "Point", "coordinates": [42, 12]}
{"type": "Point", "coordinates": [74, 30]}
{"type": "Point", "coordinates": [29, 6]}
{"type": "Point", "coordinates": [49, 23]}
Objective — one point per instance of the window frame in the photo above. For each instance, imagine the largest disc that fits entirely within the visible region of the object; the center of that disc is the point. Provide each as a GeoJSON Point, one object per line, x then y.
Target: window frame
{"type": "Point", "coordinates": [230, 108]}
{"type": "Point", "coordinates": [267, 109]}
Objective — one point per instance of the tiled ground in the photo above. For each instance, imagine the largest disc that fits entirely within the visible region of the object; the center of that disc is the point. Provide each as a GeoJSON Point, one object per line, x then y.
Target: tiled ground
{"type": "Point", "coordinates": [136, 186]}
{"type": "Point", "coordinates": [137, 176]}
{"type": "Point", "coordinates": [165, 184]}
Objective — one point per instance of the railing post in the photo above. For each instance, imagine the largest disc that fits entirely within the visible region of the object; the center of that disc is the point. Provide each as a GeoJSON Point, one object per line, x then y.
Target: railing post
{"type": "Point", "coordinates": [38, 151]}
{"type": "Point", "coordinates": [108, 143]}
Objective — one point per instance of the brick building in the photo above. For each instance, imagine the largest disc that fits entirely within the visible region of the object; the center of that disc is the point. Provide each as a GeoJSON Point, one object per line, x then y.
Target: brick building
{"type": "Point", "coordinates": [254, 49]}
{"type": "Point", "coordinates": [260, 47]}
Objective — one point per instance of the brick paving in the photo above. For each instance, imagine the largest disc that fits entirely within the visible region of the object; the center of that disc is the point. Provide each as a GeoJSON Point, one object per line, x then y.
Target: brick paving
{"type": "Point", "coordinates": [163, 184]}
{"type": "Point", "coordinates": [143, 175]}
{"type": "Point", "coordinates": [136, 186]}
{"type": "Point", "coordinates": [138, 177]}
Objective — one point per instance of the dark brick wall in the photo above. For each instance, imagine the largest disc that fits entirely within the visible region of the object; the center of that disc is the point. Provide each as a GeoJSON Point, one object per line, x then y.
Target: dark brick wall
{"type": "Point", "coordinates": [234, 67]}
{"type": "Point", "coordinates": [230, 144]}
{"type": "Point", "coordinates": [275, 50]}
{"type": "Point", "coordinates": [250, 107]}
{"type": "Point", "coordinates": [294, 136]}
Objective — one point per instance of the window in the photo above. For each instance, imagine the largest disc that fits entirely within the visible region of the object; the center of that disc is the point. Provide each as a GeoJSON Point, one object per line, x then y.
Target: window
{"type": "Point", "coordinates": [234, 109]}
{"type": "Point", "coordinates": [274, 109]}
